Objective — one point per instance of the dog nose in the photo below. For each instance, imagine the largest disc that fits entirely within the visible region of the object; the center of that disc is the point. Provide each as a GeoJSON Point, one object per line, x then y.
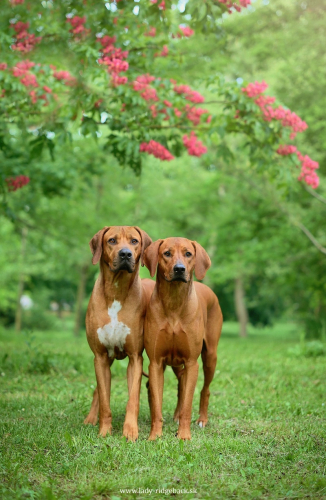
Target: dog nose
{"type": "Point", "coordinates": [125, 253]}
{"type": "Point", "coordinates": [179, 269]}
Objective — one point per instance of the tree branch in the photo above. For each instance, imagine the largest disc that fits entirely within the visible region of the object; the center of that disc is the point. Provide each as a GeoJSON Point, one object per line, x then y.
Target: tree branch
{"type": "Point", "coordinates": [316, 195]}
{"type": "Point", "coordinates": [311, 237]}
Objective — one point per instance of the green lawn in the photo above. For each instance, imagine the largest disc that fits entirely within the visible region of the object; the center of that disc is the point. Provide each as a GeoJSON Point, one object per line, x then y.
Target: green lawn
{"type": "Point", "coordinates": [265, 437]}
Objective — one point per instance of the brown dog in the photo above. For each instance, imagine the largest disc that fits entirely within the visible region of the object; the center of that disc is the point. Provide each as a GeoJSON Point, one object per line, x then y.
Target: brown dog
{"type": "Point", "coordinates": [183, 320]}
{"type": "Point", "coordinates": [115, 319]}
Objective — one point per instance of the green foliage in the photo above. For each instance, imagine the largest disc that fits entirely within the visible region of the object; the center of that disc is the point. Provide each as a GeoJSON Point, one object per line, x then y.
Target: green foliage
{"type": "Point", "coordinates": [239, 200]}
{"type": "Point", "coordinates": [311, 349]}
{"type": "Point", "coordinates": [88, 104]}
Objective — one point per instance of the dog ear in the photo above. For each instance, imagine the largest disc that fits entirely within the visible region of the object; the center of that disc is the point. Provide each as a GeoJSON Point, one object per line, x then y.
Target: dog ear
{"type": "Point", "coordinates": [145, 242]}
{"type": "Point", "coordinates": [151, 257]}
{"type": "Point", "coordinates": [203, 262]}
{"type": "Point", "coordinates": [96, 244]}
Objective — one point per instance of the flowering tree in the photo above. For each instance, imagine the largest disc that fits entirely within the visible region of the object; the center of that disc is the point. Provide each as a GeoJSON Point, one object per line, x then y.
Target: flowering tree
{"type": "Point", "coordinates": [98, 69]}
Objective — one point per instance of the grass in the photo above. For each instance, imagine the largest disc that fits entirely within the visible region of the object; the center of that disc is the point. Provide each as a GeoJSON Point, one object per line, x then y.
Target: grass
{"type": "Point", "coordinates": [265, 437]}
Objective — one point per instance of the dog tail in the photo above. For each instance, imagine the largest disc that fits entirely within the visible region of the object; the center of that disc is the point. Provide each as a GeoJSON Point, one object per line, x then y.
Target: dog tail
{"type": "Point", "coordinates": [145, 375]}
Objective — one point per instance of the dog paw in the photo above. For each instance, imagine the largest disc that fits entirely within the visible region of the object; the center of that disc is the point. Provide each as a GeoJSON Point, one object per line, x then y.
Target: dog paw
{"type": "Point", "coordinates": [92, 420]}
{"type": "Point", "coordinates": [104, 430]}
{"type": "Point", "coordinates": [130, 432]}
{"type": "Point", "coordinates": [184, 434]}
{"type": "Point", "coordinates": [201, 422]}
{"type": "Point", "coordinates": [176, 417]}
{"type": "Point", "coordinates": [155, 434]}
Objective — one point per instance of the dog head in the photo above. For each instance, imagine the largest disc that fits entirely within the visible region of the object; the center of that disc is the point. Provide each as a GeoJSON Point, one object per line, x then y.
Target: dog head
{"type": "Point", "coordinates": [176, 259]}
{"type": "Point", "coordinates": [120, 247]}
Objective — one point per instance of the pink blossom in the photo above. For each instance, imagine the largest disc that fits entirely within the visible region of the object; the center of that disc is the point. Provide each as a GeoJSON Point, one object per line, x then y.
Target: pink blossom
{"type": "Point", "coordinates": [264, 100]}
{"type": "Point", "coordinates": [33, 96]}
{"type": "Point", "coordinates": [17, 182]}
{"type": "Point", "coordinates": [308, 167]}
{"type": "Point", "coordinates": [64, 75]}
{"type": "Point", "coordinates": [77, 24]}
{"type": "Point", "coordinates": [107, 40]}
{"type": "Point", "coordinates": [230, 4]}
{"type": "Point", "coordinates": [190, 95]}
{"type": "Point", "coordinates": [150, 94]}
{"type": "Point", "coordinates": [286, 116]}
{"type": "Point", "coordinates": [29, 80]}
{"type": "Point", "coordinates": [25, 65]}
{"type": "Point", "coordinates": [117, 65]}
{"type": "Point", "coordinates": [153, 110]}
{"type": "Point", "coordinates": [20, 26]}
{"type": "Point", "coordinates": [3, 66]}
{"type": "Point", "coordinates": [16, 2]}
{"type": "Point", "coordinates": [151, 32]}
{"type": "Point", "coordinates": [141, 84]}
{"type": "Point", "coordinates": [167, 103]}
{"type": "Point", "coordinates": [156, 149]}
{"type": "Point", "coordinates": [118, 80]}
{"type": "Point", "coordinates": [186, 31]}
{"type": "Point", "coordinates": [162, 6]}
{"type": "Point", "coordinates": [47, 89]}
{"type": "Point", "coordinates": [194, 114]}
{"type": "Point", "coordinates": [254, 89]}
{"type": "Point", "coordinates": [25, 41]}
{"type": "Point", "coordinates": [76, 21]}
{"type": "Point", "coordinates": [18, 72]}
{"type": "Point", "coordinates": [164, 52]}
{"type": "Point", "coordinates": [27, 44]}
{"type": "Point", "coordinates": [177, 112]}
{"type": "Point", "coordinates": [145, 79]}
{"type": "Point", "coordinates": [286, 150]}
{"type": "Point", "coordinates": [194, 146]}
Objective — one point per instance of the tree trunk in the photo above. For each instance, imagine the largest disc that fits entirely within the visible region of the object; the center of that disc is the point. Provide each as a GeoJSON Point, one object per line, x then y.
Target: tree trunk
{"type": "Point", "coordinates": [240, 306]}
{"type": "Point", "coordinates": [21, 281]}
{"type": "Point", "coordinates": [80, 298]}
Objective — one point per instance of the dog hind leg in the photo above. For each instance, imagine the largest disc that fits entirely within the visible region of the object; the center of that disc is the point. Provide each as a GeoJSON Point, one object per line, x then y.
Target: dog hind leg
{"type": "Point", "coordinates": [179, 371]}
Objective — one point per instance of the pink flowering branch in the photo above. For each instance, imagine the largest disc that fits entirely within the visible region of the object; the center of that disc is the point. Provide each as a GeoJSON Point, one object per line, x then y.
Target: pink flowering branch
{"type": "Point", "coordinates": [288, 119]}
{"type": "Point", "coordinates": [156, 149]}
{"type": "Point", "coordinates": [17, 182]}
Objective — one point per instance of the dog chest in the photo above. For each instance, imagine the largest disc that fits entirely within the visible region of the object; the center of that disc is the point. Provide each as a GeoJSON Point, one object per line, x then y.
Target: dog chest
{"type": "Point", "coordinates": [114, 333]}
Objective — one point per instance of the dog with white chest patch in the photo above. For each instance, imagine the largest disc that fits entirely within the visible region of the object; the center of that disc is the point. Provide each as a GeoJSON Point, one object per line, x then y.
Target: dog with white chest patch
{"type": "Point", "coordinates": [115, 319]}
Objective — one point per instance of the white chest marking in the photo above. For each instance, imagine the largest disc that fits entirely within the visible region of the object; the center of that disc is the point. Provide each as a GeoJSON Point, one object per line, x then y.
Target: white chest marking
{"type": "Point", "coordinates": [114, 333]}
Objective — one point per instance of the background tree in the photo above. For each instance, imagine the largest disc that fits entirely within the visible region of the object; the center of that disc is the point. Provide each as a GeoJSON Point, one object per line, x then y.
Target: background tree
{"type": "Point", "coordinates": [230, 189]}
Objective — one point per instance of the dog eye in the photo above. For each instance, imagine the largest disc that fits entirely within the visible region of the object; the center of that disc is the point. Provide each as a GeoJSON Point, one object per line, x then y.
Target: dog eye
{"type": "Point", "coordinates": [167, 254]}
{"type": "Point", "coordinates": [188, 254]}
{"type": "Point", "coordinates": [112, 241]}
{"type": "Point", "coordinates": [134, 241]}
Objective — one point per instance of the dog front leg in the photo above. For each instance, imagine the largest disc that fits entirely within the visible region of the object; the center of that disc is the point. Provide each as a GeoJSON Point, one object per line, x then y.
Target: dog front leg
{"type": "Point", "coordinates": [93, 412]}
{"type": "Point", "coordinates": [103, 377]}
{"type": "Point", "coordinates": [191, 375]}
{"type": "Point", "coordinates": [134, 374]}
{"type": "Point", "coordinates": [156, 383]}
